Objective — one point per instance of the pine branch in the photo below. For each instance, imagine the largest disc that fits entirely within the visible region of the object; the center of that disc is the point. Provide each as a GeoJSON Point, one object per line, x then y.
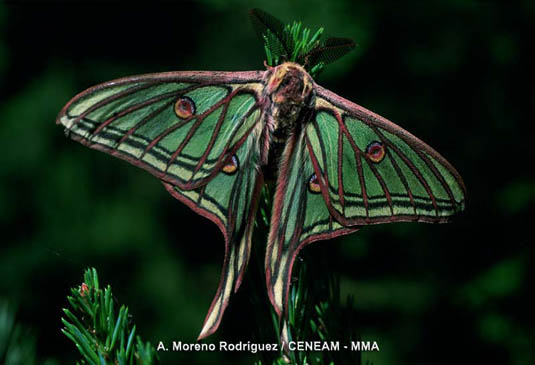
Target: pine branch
{"type": "Point", "coordinates": [296, 43]}
{"type": "Point", "coordinates": [316, 313]}
{"type": "Point", "coordinates": [102, 335]}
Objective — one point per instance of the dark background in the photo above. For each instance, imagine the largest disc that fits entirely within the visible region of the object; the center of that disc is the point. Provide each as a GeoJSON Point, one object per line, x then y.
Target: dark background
{"type": "Point", "coordinates": [454, 73]}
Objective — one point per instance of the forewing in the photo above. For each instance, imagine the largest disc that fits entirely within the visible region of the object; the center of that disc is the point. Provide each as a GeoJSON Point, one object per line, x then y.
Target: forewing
{"type": "Point", "coordinates": [180, 126]}
{"type": "Point", "coordinates": [197, 132]}
{"type": "Point", "coordinates": [300, 216]}
{"type": "Point", "coordinates": [373, 171]}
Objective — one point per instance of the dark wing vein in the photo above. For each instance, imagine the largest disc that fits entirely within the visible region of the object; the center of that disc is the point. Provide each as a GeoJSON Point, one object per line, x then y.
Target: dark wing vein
{"type": "Point", "coordinates": [412, 168]}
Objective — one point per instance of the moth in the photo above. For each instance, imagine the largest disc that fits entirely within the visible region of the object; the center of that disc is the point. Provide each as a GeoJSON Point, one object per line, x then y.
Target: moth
{"type": "Point", "coordinates": [214, 138]}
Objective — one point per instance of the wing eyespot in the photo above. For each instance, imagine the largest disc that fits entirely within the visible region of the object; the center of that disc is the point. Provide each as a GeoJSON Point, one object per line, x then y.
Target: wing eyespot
{"type": "Point", "coordinates": [184, 107]}
{"type": "Point", "coordinates": [313, 184]}
{"type": "Point", "coordinates": [375, 152]}
{"type": "Point", "coordinates": [232, 166]}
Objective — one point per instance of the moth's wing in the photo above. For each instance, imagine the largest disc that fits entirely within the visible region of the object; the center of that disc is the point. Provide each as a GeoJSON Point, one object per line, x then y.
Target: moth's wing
{"type": "Point", "coordinates": [373, 171]}
{"type": "Point", "coordinates": [300, 216]}
{"type": "Point", "coordinates": [230, 200]}
{"type": "Point", "coordinates": [180, 126]}
{"type": "Point", "coordinates": [198, 133]}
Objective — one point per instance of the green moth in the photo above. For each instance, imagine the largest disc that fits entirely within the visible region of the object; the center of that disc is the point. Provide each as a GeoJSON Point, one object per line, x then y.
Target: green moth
{"type": "Point", "coordinates": [215, 138]}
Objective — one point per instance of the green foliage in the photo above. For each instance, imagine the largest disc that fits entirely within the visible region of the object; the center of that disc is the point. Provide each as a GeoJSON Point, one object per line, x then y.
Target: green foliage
{"type": "Point", "coordinates": [101, 335]}
{"type": "Point", "coordinates": [315, 313]}
{"type": "Point", "coordinates": [296, 43]}
{"type": "Point", "coordinates": [456, 84]}
{"type": "Point", "coordinates": [17, 345]}
{"type": "Point", "coordinates": [299, 36]}
{"type": "Point", "coordinates": [500, 281]}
